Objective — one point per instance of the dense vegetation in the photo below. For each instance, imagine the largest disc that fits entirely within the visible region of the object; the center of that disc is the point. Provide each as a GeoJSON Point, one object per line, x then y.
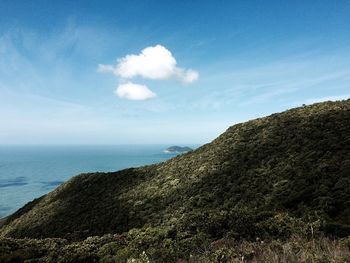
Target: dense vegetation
{"type": "Point", "coordinates": [115, 248]}
{"type": "Point", "coordinates": [272, 178]}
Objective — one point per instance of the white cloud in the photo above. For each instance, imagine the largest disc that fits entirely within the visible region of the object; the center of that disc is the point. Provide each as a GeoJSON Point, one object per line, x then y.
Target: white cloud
{"type": "Point", "coordinates": [155, 62]}
{"type": "Point", "coordinates": [132, 91]}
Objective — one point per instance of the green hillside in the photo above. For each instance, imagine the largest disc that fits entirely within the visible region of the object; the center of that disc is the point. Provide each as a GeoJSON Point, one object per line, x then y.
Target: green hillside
{"type": "Point", "coordinates": [269, 178]}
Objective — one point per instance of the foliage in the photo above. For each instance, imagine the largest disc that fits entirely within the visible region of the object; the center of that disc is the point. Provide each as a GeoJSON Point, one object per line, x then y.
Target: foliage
{"type": "Point", "coordinates": [271, 178]}
{"type": "Point", "coordinates": [294, 249]}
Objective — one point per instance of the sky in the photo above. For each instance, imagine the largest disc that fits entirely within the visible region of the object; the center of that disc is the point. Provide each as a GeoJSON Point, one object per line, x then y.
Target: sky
{"type": "Point", "coordinates": [163, 72]}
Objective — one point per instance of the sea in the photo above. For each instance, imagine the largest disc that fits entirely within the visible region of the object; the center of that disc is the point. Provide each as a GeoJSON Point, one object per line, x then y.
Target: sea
{"type": "Point", "coordinates": [28, 172]}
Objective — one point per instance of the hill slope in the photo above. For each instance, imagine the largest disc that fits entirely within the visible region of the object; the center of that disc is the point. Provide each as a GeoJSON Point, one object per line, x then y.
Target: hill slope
{"type": "Point", "coordinates": [256, 179]}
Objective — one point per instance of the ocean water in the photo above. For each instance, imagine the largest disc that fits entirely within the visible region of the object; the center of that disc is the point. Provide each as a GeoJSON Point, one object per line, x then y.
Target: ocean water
{"type": "Point", "coordinates": [28, 172]}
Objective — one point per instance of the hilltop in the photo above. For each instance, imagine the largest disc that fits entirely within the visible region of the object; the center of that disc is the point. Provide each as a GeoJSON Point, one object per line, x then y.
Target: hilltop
{"type": "Point", "coordinates": [267, 178]}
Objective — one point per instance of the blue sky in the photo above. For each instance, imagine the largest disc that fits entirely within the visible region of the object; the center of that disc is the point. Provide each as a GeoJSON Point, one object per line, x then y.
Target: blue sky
{"type": "Point", "coordinates": [249, 59]}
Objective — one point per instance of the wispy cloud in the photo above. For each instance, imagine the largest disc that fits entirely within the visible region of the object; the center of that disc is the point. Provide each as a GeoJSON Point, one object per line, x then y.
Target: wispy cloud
{"type": "Point", "coordinates": [279, 81]}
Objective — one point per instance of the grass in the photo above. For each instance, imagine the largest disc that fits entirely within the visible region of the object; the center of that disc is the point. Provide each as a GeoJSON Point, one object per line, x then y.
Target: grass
{"type": "Point", "coordinates": [112, 249]}
{"type": "Point", "coordinates": [295, 249]}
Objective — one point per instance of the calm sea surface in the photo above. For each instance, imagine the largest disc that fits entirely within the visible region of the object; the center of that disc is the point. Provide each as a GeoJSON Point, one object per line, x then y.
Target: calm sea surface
{"type": "Point", "coordinates": [27, 172]}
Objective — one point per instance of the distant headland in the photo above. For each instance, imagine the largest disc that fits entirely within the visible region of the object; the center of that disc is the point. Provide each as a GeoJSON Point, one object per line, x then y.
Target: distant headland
{"type": "Point", "coordinates": [177, 149]}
